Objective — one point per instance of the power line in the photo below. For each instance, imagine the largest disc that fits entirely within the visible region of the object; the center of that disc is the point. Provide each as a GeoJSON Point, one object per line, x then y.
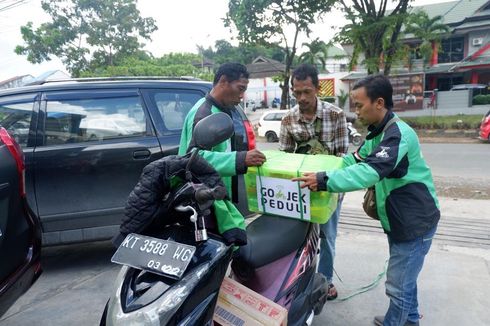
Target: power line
{"type": "Point", "coordinates": [13, 5]}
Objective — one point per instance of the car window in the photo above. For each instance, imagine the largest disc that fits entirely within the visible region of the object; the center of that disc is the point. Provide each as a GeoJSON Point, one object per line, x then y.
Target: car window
{"type": "Point", "coordinates": [174, 106]}
{"type": "Point", "coordinates": [16, 118]}
{"type": "Point", "coordinates": [279, 116]}
{"type": "Point", "coordinates": [270, 117]}
{"type": "Point", "coordinates": [75, 121]}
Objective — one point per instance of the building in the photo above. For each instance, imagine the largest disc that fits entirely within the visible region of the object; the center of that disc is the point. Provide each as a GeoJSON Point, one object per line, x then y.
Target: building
{"type": "Point", "coordinates": [263, 88]}
{"type": "Point", "coordinates": [16, 81]}
{"type": "Point", "coordinates": [464, 56]}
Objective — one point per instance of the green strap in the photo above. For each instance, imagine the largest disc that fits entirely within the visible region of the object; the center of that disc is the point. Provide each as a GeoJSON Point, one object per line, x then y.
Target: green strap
{"type": "Point", "coordinates": [260, 184]}
{"type": "Point", "coordinates": [299, 188]}
{"type": "Point", "coordinates": [368, 287]}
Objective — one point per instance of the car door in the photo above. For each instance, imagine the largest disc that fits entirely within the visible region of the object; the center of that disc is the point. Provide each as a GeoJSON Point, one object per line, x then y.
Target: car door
{"type": "Point", "coordinates": [19, 230]}
{"type": "Point", "coordinates": [169, 107]}
{"type": "Point", "coordinates": [19, 116]}
{"type": "Point", "coordinates": [90, 154]}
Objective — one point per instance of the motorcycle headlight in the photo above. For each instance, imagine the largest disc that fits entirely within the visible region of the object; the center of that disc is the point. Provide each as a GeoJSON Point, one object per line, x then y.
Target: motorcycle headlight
{"type": "Point", "coordinates": [158, 312]}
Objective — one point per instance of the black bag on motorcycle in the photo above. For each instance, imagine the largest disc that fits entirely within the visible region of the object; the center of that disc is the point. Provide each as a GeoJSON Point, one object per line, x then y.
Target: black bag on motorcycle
{"type": "Point", "coordinates": [148, 200]}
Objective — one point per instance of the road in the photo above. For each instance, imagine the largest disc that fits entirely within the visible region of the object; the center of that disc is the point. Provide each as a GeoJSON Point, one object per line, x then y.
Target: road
{"type": "Point", "coordinates": [445, 160]}
{"type": "Point", "coordinates": [77, 279]}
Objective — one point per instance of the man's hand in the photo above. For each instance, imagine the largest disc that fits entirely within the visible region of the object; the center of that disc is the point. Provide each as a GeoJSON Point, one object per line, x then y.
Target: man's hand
{"type": "Point", "coordinates": [254, 158]}
{"type": "Point", "coordinates": [309, 180]}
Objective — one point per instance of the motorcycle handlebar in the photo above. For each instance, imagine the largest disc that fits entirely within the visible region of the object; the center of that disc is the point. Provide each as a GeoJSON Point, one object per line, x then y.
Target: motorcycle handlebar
{"type": "Point", "coordinates": [205, 194]}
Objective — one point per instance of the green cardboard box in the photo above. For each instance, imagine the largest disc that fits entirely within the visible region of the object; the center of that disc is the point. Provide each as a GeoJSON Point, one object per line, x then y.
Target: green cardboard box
{"type": "Point", "coordinates": [270, 189]}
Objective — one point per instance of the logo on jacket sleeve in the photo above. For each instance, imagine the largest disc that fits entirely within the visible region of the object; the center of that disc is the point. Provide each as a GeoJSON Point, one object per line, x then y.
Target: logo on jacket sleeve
{"type": "Point", "coordinates": [383, 153]}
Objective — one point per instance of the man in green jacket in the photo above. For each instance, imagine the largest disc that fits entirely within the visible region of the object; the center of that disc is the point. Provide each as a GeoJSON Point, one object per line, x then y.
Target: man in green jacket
{"type": "Point", "coordinates": [390, 160]}
{"type": "Point", "coordinates": [229, 86]}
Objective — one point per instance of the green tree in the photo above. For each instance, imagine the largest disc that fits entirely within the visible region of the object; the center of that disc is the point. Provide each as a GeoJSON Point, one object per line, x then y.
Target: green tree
{"type": "Point", "coordinates": [244, 53]}
{"type": "Point", "coordinates": [316, 54]}
{"type": "Point", "coordinates": [428, 30]}
{"type": "Point", "coordinates": [169, 65]}
{"type": "Point", "coordinates": [266, 22]}
{"type": "Point", "coordinates": [373, 32]}
{"type": "Point", "coordinates": [87, 34]}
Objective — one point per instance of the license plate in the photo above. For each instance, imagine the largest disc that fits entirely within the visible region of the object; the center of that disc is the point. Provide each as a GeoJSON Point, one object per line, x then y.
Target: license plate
{"type": "Point", "coordinates": [164, 257]}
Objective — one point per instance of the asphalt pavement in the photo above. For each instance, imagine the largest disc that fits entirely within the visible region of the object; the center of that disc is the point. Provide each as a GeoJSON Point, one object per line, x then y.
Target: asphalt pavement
{"type": "Point", "coordinates": [454, 285]}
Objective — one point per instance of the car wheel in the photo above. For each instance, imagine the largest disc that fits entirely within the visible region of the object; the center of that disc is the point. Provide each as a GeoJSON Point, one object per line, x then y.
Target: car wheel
{"type": "Point", "coordinates": [271, 137]}
{"type": "Point", "coordinates": [356, 140]}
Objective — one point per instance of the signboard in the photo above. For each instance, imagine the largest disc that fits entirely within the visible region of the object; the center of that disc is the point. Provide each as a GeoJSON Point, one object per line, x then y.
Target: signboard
{"type": "Point", "coordinates": [327, 87]}
{"type": "Point", "coordinates": [408, 92]}
{"type": "Point", "coordinates": [283, 197]}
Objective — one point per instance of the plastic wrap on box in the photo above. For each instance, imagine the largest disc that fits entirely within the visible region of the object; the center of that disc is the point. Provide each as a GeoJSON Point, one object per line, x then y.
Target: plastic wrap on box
{"type": "Point", "coordinates": [270, 189]}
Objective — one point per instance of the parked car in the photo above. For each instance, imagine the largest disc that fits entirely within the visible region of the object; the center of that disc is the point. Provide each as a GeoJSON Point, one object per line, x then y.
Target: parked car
{"type": "Point", "coordinates": [478, 89]}
{"type": "Point", "coordinates": [20, 230]}
{"type": "Point", "coordinates": [269, 124]}
{"type": "Point", "coordinates": [89, 140]}
{"type": "Point", "coordinates": [485, 127]}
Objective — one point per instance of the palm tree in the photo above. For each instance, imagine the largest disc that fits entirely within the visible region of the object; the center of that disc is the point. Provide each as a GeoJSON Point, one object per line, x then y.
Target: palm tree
{"type": "Point", "coordinates": [316, 55]}
{"type": "Point", "coordinates": [428, 30]}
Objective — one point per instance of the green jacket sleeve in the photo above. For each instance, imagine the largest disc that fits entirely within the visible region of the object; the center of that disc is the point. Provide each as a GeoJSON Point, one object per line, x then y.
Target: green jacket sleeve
{"type": "Point", "coordinates": [226, 163]}
{"type": "Point", "coordinates": [380, 162]}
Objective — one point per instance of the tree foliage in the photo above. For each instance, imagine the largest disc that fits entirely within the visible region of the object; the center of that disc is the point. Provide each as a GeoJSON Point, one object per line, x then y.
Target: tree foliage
{"type": "Point", "coordinates": [275, 22]}
{"type": "Point", "coordinates": [87, 34]}
{"type": "Point", "coordinates": [428, 30]}
{"type": "Point", "coordinates": [373, 31]}
{"type": "Point", "coordinates": [169, 65]}
{"type": "Point", "coordinates": [316, 54]}
{"type": "Point", "coordinates": [244, 53]}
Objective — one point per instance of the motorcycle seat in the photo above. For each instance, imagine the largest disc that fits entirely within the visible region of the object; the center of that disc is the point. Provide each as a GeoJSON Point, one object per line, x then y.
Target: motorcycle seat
{"type": "Point", "coordinates": [270, 238]}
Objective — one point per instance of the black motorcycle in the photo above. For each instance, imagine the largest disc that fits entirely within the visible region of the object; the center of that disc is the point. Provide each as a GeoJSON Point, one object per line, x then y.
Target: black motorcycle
{"type": "Point", "coordinates": [173, 277]}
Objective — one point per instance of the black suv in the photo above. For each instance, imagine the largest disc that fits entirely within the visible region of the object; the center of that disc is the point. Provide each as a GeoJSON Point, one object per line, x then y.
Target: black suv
{"type": "Point", "coordinates": [86, 143]}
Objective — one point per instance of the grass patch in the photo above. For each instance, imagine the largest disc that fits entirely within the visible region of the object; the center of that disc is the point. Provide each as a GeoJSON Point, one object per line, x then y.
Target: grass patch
{"type": "Point", "coordinates": [460, 121]}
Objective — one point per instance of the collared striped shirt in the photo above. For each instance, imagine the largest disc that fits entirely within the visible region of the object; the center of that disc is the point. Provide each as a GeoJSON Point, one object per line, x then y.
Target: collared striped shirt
{"type": "Point", "coordinates": [333, 132]}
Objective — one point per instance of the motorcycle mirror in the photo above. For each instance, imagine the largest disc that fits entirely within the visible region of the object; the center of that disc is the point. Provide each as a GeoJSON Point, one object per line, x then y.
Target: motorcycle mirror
{"type": "Point", "coordinates": [212, 130]}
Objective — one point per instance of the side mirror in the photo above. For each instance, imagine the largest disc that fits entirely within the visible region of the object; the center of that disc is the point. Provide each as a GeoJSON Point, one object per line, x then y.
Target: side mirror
{"type": "Point", "coordinates": [212, 130]}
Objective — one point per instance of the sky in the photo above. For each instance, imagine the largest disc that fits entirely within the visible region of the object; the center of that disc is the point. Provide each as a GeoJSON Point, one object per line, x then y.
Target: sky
{"type": "Point", "coordinates": [182, 24]}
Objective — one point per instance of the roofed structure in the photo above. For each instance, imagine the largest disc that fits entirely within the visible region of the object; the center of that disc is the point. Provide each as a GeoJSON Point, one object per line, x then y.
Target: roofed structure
{"type": "Point", "coordinates": [265, 67]}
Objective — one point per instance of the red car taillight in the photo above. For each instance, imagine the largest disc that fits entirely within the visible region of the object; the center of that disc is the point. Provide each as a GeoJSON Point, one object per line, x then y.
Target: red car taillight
{"type": "Point", "coordinates": [18, 155]}
{"type": "Point", "coordinates": [250, 135]}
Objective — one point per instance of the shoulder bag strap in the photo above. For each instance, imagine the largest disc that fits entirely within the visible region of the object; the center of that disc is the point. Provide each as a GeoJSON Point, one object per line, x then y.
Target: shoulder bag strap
{"type": "Point", "coordinates": [318, 128]}
{"type": "Point", "coordinates": [390, 122]}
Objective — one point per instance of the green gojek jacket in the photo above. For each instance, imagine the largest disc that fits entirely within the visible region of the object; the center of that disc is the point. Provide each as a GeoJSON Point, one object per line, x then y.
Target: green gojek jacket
{"type": "Point", "coordinates": [227, 163]}
{"type": "Point", "coordinates": [392, 161]}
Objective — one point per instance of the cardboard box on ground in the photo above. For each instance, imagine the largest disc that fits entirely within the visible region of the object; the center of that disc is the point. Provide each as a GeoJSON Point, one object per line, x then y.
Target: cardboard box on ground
{"type": "Point", "coordinates": [238, 305]}
{"type": "Point", "coordinates": [270, 190]}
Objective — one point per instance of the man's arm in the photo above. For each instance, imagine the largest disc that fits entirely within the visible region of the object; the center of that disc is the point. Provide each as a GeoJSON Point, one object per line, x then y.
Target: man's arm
{"type": "Point", "coordinates": [377, 165]}
{"type": "Point", "coordinates": [286, 140]}
{"type": "Point", "coordinates": [341, 135]}
{"type": "Point", "coordinates": [225, 163]}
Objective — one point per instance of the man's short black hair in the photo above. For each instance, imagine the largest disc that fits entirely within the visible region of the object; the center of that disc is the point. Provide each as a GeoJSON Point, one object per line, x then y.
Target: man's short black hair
{"type": "Point", "coordinates": [377, 86]}
{"type": "Point", "coordinates": [232, 71]}
{"type": "Point", "coordinates": [303, 71]}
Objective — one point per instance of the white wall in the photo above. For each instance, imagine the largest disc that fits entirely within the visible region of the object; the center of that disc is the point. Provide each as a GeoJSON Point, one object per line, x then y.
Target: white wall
{"type": "Point", "coordinates": [256, 87]}
{"type": "Point", "coordinates": [256, 90]}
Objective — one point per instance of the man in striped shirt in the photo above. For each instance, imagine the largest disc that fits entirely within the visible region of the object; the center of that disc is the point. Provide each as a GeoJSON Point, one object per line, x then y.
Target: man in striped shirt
{"type": "Point", "coordinates": [314, 119]}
